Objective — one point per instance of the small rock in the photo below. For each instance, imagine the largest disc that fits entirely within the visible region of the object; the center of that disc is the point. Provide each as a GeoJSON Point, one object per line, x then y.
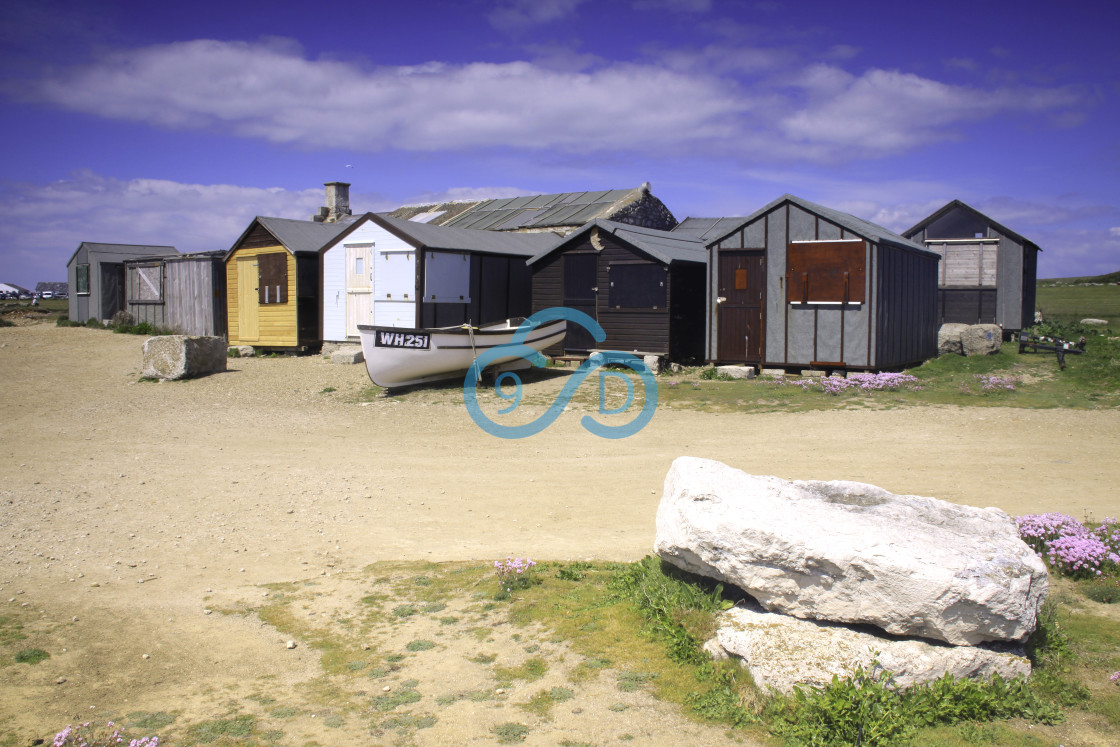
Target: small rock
{"type": "Point", "coordinates": [386, 689]}
{"type": "Point", "coordinates": [207, 612]}
{"type": "Point", "coordinates": [290, 644]}
{"type": "Point", "coordinates": [60, 680]}
{"type": "Point", "coordinates": [500, 691]}
{"type": "Point", "coordinates": [145, 656]}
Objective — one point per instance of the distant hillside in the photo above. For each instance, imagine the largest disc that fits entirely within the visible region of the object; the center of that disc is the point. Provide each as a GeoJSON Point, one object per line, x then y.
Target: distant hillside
{"type": "Point", "coordinates": [1112, 277]}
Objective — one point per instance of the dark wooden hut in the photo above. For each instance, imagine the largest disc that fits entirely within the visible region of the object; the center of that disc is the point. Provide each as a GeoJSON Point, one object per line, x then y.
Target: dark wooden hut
{"type": "Point", "coordinates": [644, 286]}
{"type": "Point", "coordinates": [988, 272]}
{"type": "Point", "coordinates": [96, 277]}
{"type": "Point", "coordinates": [800, 285]}
{"type": "Point", "coordinates": [185, 293]}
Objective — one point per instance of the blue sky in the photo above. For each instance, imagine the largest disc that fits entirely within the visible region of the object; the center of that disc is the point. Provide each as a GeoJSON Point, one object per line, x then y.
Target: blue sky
{"type": "Point", "coordinates": [176, 123]}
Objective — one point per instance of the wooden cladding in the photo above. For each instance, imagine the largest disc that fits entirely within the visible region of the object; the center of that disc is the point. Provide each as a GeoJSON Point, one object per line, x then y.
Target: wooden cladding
{"type": "Point", "coordinates": [638, 286]}
{"type": "Point", "coordinates": [272, 278]}
{"type": "Point", "coordinates": [826, 272]}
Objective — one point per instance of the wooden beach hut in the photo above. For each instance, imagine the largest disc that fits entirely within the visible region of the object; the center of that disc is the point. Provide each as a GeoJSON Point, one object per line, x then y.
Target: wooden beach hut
{"type": "Point", "coordinates": [96, 277]}
{"type": "Point", "coordinates": [988, 272]}
{"type": "Point", "coordinates": [644, 286]}
{"type": "Point", "coordinates": [797, 285]}
{"type": "Point", "coordinates": [272, 283]}
{"type": "Point", "coordinates": [395, 272]}
{"type": "Point", "coordinates": [185, 293]}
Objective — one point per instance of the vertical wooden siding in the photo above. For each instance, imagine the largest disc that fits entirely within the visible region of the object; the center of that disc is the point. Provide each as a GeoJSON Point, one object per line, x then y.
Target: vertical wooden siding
{"type": "Point", "coordinates": [278, 321]}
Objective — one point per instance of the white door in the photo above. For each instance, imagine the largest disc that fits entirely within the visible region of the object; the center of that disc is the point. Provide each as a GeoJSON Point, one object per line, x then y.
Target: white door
{"type": "Point", "coordinates": [394, 279]}
{"type": "Point", "coordinates": [359, 287]}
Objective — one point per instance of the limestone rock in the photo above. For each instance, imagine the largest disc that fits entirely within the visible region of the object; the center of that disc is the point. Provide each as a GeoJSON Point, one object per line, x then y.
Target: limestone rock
{"type": "Point", "coordinates": [782, 651]}
{"type": "Point", "coordinates": [653, 363]}
{"type": "Point", "coordinates": [981, 339]}
{"type": "Point", "coordinates": [949, 338]}
{"type": "Point", "coordinates": [1095, 322]}
{"type": "Point", "coordinates": [736, 372]}
{"type": "Point", "coordinates": [183, 356]}
{"type": "Point", "coordinates": [348, 355]}
{"type": "Point", "coordinates": [851, 552]}
{"type": "Point", "coordinates": [243, 351]}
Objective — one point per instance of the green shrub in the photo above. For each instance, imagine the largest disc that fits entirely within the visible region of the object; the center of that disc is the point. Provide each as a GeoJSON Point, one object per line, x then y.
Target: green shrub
{"type": "Point", "coordinates": [31, 656]}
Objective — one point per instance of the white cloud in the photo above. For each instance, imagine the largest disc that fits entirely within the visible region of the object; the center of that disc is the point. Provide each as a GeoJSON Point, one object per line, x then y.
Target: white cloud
{"type": "Point", "coordinates": [518, 15]}
{"type": "Point", "coordinates": [269, 92]}
{"type": "Point", "coordinates": [1115, 231]}
{"type": "Point", "coordinates": [887, 111]}
{"type": "Point", "coordinates": [190, 217]}
{"type": "Point", "coordinates": [90, 207]}
{"type": "Point", "coordinates": [746, 104]}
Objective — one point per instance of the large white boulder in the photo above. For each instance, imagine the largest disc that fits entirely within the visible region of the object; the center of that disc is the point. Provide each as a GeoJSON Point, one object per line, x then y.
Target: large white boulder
{"type": "Point", "coordinates": [949, 338]}
{"type": "Point", "coordinates": [855, 553]}
{"type": "Point", "coordinates": [183, 356]}
{"type": "Point", "coordinates": [981, 339]}
{"type": "Point", "coordinates": [782, 651]}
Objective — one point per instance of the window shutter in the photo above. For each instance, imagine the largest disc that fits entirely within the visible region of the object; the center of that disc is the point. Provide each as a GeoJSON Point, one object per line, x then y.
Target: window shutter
{"type": "Point", "coordinates": [825, 272]}
{"type": "Point", "coordinates": [272, 278]}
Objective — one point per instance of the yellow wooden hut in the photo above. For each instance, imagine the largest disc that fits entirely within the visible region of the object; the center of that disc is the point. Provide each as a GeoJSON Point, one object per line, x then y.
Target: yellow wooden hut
{"type": "Point", "coordinates": [273, 283]}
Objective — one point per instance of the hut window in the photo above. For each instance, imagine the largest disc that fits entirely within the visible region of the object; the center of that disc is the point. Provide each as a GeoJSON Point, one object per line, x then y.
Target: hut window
{"type": "Point", "coordinates": [272, 279]}
{"type": "Point", "coordinates": [81, 279]}
{"type": "Point", "coordinates": [145, 283]}
{"type": "Point", "coordinates": [825, 272]}
{"type": "Point", "coordinates": [639, 286]}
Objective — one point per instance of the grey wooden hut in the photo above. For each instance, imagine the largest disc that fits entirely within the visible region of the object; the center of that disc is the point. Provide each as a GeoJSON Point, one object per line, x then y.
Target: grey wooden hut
{"type": "Point", "coordinates": [96, 277]}
{"type": "Point", "coordinates": [797, 285]}
{"type": "Point", "coordinates": [185, 293]}
{"type": "Point", "coordinates": [988, 273]}
{"type": "Point", "coordinates": [644, 286]}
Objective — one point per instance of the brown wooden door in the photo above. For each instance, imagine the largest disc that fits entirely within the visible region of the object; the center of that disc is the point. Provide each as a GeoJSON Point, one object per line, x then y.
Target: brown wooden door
{"type": "Point", "coordinates": [742, 284]}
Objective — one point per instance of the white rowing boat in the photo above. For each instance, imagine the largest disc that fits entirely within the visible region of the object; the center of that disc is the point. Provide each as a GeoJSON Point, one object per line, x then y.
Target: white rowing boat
{"type": "Point", "coordinates": [397, 356]}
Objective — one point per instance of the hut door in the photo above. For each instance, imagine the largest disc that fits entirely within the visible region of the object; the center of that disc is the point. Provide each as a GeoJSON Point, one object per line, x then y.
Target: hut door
{"type": "Point", "coordinates": [359, 287]}
{"type": "Point", "coordinates": [742, 278]}
{"type": "Point", "coordinates": [112, 289]}
{"type": "Point", "coordinates": [579, 294]}
{"type": "Point", "coordinates": [248, 309]}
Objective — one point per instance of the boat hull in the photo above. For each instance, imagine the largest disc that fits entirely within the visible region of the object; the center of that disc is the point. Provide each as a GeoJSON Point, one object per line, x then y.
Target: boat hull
{"type": "Point", "coordinates": [397, 356]}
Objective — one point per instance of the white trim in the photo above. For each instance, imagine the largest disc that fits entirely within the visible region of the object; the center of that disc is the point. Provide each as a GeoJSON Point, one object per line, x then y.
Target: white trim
{"type": "Point", "coordinates": [961, 241]}
{"type": "Point", "coordinates": [829, 241]}
{"type": "Point", "coordinates": [826, 303]}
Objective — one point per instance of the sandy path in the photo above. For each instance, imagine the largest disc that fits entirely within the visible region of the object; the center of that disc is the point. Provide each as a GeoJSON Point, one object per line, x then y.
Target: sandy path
{"type": "Point", "coordinates": [259, 475]}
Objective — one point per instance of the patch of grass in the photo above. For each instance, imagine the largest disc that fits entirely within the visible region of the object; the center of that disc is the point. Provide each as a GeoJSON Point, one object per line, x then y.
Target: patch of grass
{"type": "Point", "coordinates": [432, 607]}
{"type": "Point", "coordinates": [284, 712]}
{"type": "Point", "coordinates": [629, 681]}
{"type": "Point", "coordinates": [327, 390]}
{"type": "Point", "coordinates": [449, 620]}
{"type": "Point", "coordinates": [405, 610]}
{"type": "Point", "coordinates": [420, 645]}
{"type": "Point", "coordinates": [445, 700]}
{"type": "Point", "coordinates": [389, 701]}
{"type": "Point", "coordinates": [11, 630]}
{"type": "Point", "coordinates": [541, 704]}
{"type": "Point", "coordinates": [236, 727]}
{"type": "Point", "coordinates": [150, 720]}
{"type": "Point", "coordinates": [532, 669]}
{"type": "Point", "coordinates": [484, 658]}
{"type": "Point", "coordinates": [510, 732]}
{"type": "Point", "coordinates": [1068, 303]}
{"type": "Point", "coordinates": [31, 656]}
{"type": "Point", "coordinates": [1102, 590]}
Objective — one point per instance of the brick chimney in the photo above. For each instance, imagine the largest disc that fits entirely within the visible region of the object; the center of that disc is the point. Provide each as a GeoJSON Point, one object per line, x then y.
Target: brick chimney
{"type": "Point", "coordinates": [338, 203]}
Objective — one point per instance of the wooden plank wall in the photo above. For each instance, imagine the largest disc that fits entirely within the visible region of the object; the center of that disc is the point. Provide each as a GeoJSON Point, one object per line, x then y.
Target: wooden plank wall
{"type": "Point", "coordinates": [277, 320]}
{"type": "Point", "coordinates": [194, 297]}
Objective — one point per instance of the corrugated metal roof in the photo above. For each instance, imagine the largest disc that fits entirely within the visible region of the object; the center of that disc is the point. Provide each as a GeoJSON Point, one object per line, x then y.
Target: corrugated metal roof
{"type": "Point", "coordinates": [452, 238]}
{"type": "Point", "coordinates": [544, 214]}
{"type": "Point", "coordinates": [661, 245]}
